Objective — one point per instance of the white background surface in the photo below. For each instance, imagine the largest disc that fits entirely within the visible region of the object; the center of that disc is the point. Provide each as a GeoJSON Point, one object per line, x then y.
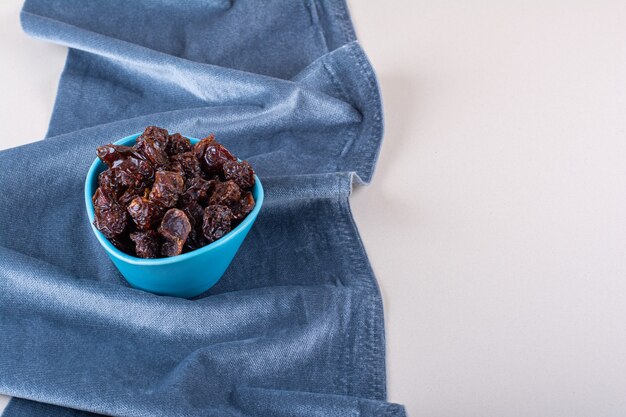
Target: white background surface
{"type": "Point", "coordinates": [496, 220]}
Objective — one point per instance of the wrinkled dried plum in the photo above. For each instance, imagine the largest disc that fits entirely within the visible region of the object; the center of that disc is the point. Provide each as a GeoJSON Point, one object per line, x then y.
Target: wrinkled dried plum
{"type": "Point", "coordinates": [196, 239]}
{"type": "Point", "coordinates": [123, 243]}
{"type": "Point", "coordinates": [175, 225]}
{"type": "Point", "coordinates": [145, 213]}
{"type": "Point", "coordinates": [200, 147]}
{"type": "Point", "coordinates": [157, 134]}
{"type": "Point", "coordinates": [194, 212]}
{"type": "Point", "coordinates": [164, 195]}
{"type": "Point", "coordinates": [216, 222]}
{"type": "Point", "coordinates": [198, 189]}
{"type": "Point", "coordinates": [152, 144]}
{"type": "Point", "coordinates": [109, 216]}
{"type": "Point", "coordinates": [112, 155]}
{"type": "Point", "coordinates": [106, 179]}
{"type": "Point", "coordinates": [178, 144]}
{"type": "Point", "coordinates": [226, 194]}
{"type": "Point", "coordinates": [243, 207]}
{"type": "Point", "coordinates": [168, 186]}
{"type": "Point", "coordinates": [214, 157]}
{"type": "Point", "coordinates": [132, 171]}
{"type": "Point", "coordinates": [175, 228]}
{"type": "Point", "coordinates": [146, 244]}
{"type": "Point", "coordinates": [187, 164]}
{"type": "Point", "coordinates": [103, 198]}
{"type": "Point", "coordinates": [138, 190]}
{"type": "Point", "coordinates": [172, 247]}
{"type": "Point", "coordinates": [240, 172]}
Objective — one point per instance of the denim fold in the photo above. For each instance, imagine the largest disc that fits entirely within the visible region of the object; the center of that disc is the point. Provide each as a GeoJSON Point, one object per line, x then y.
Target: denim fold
{"type": "Point", "coordinates": [295, 326]}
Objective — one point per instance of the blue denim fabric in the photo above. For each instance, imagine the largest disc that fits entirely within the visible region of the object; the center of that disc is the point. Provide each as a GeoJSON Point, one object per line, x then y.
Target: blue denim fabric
{"type": "Point", "coordinates": [295, 327]}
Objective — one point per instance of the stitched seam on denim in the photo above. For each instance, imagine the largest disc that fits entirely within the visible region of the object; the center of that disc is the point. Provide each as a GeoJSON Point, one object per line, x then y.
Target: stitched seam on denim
{"type": "Point", "coordinates": [334, 79]}
{"type": "Point", "coordinates": [373, 97]}
{"type": "Point", "coordinates": [339, 11]}
{"type": "Point", "coordinates": [307, 188]}
{"type": "Point", "coordinates": [352, 134]}
{"type": "Point", "coordinates": [369, 344]}
{"type": "Point", "coordinates": [313, 8]}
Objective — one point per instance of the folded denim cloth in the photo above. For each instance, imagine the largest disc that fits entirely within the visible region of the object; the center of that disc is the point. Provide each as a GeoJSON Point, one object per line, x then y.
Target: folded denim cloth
{"type": "Point", "coordinates": [295, 327]}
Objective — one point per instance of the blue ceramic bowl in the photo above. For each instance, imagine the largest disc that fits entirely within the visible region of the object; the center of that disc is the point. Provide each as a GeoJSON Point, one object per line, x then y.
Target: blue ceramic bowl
{"type": "Point", "coordinates": [185, 275]}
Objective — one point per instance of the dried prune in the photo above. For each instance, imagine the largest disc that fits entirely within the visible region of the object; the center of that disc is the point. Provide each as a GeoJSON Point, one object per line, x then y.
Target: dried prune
{"type": "Point", "coordinates": [198, 189]}
{"type": "Point", "coordinates": [240, 172]}
{"type": "Point", "coordinates": [243, 207]}
{"type": "Point", "coordinates": [226, 194]}
{"type": "Point", "coordinates": [103, 198]}
{"type": "Point", "coordinates": [168, 186]}
{"type": "Point", "coordinates": [106, 179]}
{"type": "Point", "coordinates": [112, 155]}
{"type": "Point", "coordinates": [157, 134]}
{"type": "Point", "coordinates": [152, 144]}
{"type": "Point", "coordinates": [214, 157]}
{"type": "Point", "coordinates": [194, 212]}
{"type": "Point", "coordinates": [200, 147]}
{"type": "Point", "coordinates": [172, 247]}
{"type": "Point", "coordinates": [175, 225]}
{"type": "Point", "coordinates": [132, 171]}
{"type": "Point", "coordinates": [164, 195]}
{"type": "Point", "coordinates": [187, 164]}
{"type": "Point", "coordinates": [109, 216]}
{"type": "Point", "coordinates": [175, 229]}
{"type": "Point", "coordinates": [196, 239]}
{"type": "Point", "coordinates": [138, 190]}
{"type": "Point", "coordinates": [216, 222]}
{"type": "Point", "coordinates": [178, 144]}
{"type": "Point", "coordinates": [123, 243]}
{"type": "Point", "coordinates": [146, 244]}
{"type": "Point", "coordinates": [145, 213]}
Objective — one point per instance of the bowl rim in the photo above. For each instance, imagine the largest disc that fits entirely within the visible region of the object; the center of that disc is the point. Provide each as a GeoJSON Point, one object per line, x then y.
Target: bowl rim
{"type": "Point", "coordinates": [113, 251]}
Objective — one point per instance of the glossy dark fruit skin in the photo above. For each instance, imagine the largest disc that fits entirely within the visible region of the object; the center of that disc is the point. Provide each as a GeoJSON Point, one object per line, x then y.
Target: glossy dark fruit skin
{"type": "Point", "coordinates": [109, 216]}
{"type": "Point", "coordinates": [106, 179]}
{"type": "Point", "coordinates": [123, 243]}
{"type": "Point", "coordinates": [175, 225]}
{"type": "Point", "coordinates": [138, 190]}
{"type": "Point", "coordinates": [216, 222]}
{"type": "Point", "coordinates": [164, 196]}
{"type": "Point", "coordinates": [132, 171]}
{"type": "Point", "coordinates": [178, 144]}
{"type": "Point", "coordinates": [175, 228]}
{"type": "Point", "coordinates": [112, 155]}
{"type": "Point", "coordinates": [196, 239]}
{"type": "Point", "coordinates": [225, 193]}
{"type": "Point", "coordinates": [194, 212]}
{"type": "Point", "coordinates": [200, 148]}
{"type": "Point", "coordinates": [172, 247]}
{"type": "Point", "coordinates": [146, 244]}
{"type": "Point", "coordinates": [145, 213]}
{"type": "Point", "coordinates": [187, 164]}
{"type": "Point", "coordinates": [239, 172]}
{"type": "Point", "coordinates": [198, 189]}
{"type": "Point", "coordinates": [243, 207]}
{"type": "Point", "coordinates": [152, 144]}
{"type": "Point", "coordinates": [214, 157]}
{"type": "Point", "coordinates": [167, 187]}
